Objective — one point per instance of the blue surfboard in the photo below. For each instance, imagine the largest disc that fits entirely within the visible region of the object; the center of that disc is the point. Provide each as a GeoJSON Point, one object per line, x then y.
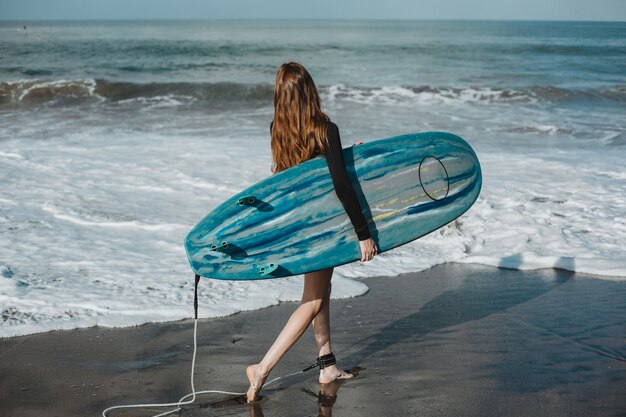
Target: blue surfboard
{"type": "Point", "coordinates": [293, 222]}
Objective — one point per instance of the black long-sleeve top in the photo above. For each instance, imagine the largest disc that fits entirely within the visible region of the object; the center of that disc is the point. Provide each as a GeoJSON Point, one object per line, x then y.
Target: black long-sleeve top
{"type": "Point", "coordinates": [341, 181]}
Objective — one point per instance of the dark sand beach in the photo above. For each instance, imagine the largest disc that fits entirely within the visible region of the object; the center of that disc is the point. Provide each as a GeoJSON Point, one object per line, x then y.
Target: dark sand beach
{"type": "Point", "coordinates": [456, 340]}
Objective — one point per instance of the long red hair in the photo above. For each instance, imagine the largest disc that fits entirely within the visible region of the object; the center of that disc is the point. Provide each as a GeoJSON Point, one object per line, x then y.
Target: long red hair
{"type": "Point", "coordinates": [299, 123]}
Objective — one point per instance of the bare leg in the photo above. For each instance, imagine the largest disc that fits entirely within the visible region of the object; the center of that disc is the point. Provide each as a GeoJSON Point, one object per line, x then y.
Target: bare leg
{"type": "Point", "coordinates": [315, 287]}
{"type": "Point", "coordinates": [321, 329]}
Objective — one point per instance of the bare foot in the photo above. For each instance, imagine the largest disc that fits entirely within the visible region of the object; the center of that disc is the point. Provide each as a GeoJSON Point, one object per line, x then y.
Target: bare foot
{"type": "Point", "coordinates": [257, 377]}
{"type": "Point", "coordinates": [332, 373]}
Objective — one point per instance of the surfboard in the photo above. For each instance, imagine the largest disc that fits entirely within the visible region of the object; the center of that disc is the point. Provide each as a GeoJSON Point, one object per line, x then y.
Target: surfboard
{"type": "Point", "coordinates": [293, 222]}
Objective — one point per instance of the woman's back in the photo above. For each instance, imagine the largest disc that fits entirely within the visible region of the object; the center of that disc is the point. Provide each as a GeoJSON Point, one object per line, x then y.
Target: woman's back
{"type": "Point", "coordinates": [341, 180]}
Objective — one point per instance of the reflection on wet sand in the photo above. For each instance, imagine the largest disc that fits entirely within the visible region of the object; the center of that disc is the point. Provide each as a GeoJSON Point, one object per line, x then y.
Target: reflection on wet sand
{"type": "Point", "coordinates": [326, 398]}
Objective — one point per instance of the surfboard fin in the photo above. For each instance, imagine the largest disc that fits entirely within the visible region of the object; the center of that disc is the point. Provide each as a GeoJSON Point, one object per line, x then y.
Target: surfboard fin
{"type": "Point", "coordinates": [247, 201]}
{"type": "Point", "coordinates": [267, 269]}
{"type": "Point", "coordinates": [220, 246]}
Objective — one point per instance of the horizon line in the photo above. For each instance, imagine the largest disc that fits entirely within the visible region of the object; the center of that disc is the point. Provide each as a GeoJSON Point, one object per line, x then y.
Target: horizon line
{"type": "Point", "coordinates": [305, 19]}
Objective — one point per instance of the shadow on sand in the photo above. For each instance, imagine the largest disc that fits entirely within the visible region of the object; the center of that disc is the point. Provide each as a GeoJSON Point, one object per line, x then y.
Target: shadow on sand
{"type": "Point", "coordinates": [480, 295]}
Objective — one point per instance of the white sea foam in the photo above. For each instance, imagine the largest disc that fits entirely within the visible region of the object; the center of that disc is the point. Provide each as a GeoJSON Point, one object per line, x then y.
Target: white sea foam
{"type": "Point", "coordinates": [105, 223]}
{"type": "Point", "coordinates": [94, 232]}
{"type": "Point", "coordinates": [92, 219]}
{"type": "Point", "coordinates": [423, 95]}
{"type": "Point", "coordinates": [169, 100]}
{"type": "Point", "coordinates": [91, 238]}
{"type": "Point", "coordinates": [532, 214]}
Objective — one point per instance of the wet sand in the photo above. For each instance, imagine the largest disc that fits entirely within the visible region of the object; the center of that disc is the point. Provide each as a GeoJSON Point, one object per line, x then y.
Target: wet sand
{"type": "Point", "coordinates": [456, 340]}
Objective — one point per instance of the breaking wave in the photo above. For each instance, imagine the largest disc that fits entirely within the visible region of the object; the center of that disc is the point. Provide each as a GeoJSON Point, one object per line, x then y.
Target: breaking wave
{"type": "Point", "coordinates": [62, 92]}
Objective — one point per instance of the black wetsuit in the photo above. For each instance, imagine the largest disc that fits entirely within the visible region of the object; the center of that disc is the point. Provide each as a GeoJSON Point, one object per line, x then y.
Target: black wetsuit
{"type": "Point", "coordinates": [341, 181]}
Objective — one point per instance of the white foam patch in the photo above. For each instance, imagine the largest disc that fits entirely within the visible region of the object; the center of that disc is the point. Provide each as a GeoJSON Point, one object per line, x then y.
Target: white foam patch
{"type": "Point", "coordinates": [154, 102]}
{"type": "Point", "coordinates": [398, 95]}
{"type": "Point", "coordinates": [96, 233]}
{"type": "Point", "coordinates": [116, 224]}
{"type": "Point", "coordinates": [93, 230]}
{"type": "Point", "coordinates": [532, 213]}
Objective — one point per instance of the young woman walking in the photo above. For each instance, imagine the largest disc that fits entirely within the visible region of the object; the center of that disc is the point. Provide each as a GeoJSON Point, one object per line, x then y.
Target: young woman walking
{"type": "Point", "coordinates": [301, 131]}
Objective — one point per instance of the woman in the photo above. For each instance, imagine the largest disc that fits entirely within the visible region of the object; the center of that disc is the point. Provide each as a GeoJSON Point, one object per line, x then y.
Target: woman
{"type": "Point", "coordinates": [301, 131]}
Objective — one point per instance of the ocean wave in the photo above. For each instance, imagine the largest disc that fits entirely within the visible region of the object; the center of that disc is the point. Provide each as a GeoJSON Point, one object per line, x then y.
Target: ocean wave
{"type": "Point", "coordinates": [62, 92]}
{"type": "Point", "coordinates": [615, 140]}
{"type": "Point", "coordinates": [72, 92]}
{"type": "Point", "coordinates": [424, 94]}
{"type": "Point", "coordinates": [32, 92]}
{"type": "Point", "coordinates": [536, 129]}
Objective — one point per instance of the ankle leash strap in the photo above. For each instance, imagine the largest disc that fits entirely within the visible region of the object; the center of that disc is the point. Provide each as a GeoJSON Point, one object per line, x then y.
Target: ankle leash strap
{"type": "Point", "coordinates": [323, 362]}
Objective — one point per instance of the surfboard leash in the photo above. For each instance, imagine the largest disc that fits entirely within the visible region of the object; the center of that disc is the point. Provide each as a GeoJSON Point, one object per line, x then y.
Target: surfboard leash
{"type": "Point", "coordinates": [195, 297]}
{"type": "Point", "coordinates": [183, 400]}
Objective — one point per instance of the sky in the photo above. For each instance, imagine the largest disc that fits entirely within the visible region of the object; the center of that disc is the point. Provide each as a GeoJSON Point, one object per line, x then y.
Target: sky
{"type": "Point", "coordinates": [609, 10]}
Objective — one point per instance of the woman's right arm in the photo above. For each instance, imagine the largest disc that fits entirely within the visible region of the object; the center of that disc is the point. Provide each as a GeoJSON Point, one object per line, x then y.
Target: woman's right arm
{"type": "Point", "coordinates": [347, 195]}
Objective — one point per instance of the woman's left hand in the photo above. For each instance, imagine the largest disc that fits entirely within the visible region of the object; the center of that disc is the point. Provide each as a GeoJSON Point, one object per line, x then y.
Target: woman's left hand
{"type": "Point", "coordinates": [358, 143]}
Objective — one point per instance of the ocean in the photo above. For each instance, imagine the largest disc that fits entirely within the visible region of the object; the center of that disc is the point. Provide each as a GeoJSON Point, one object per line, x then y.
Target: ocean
{"type": "Point", "coordinates": [116, 137]}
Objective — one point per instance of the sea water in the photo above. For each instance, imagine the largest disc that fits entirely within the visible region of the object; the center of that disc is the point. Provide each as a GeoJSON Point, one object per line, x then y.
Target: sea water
{"type": "Point", "coordinates": [117, 137]}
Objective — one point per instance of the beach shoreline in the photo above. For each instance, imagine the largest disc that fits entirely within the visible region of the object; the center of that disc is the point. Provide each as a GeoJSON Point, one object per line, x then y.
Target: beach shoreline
{"type": "Point", "coordinates": [456, 339]}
